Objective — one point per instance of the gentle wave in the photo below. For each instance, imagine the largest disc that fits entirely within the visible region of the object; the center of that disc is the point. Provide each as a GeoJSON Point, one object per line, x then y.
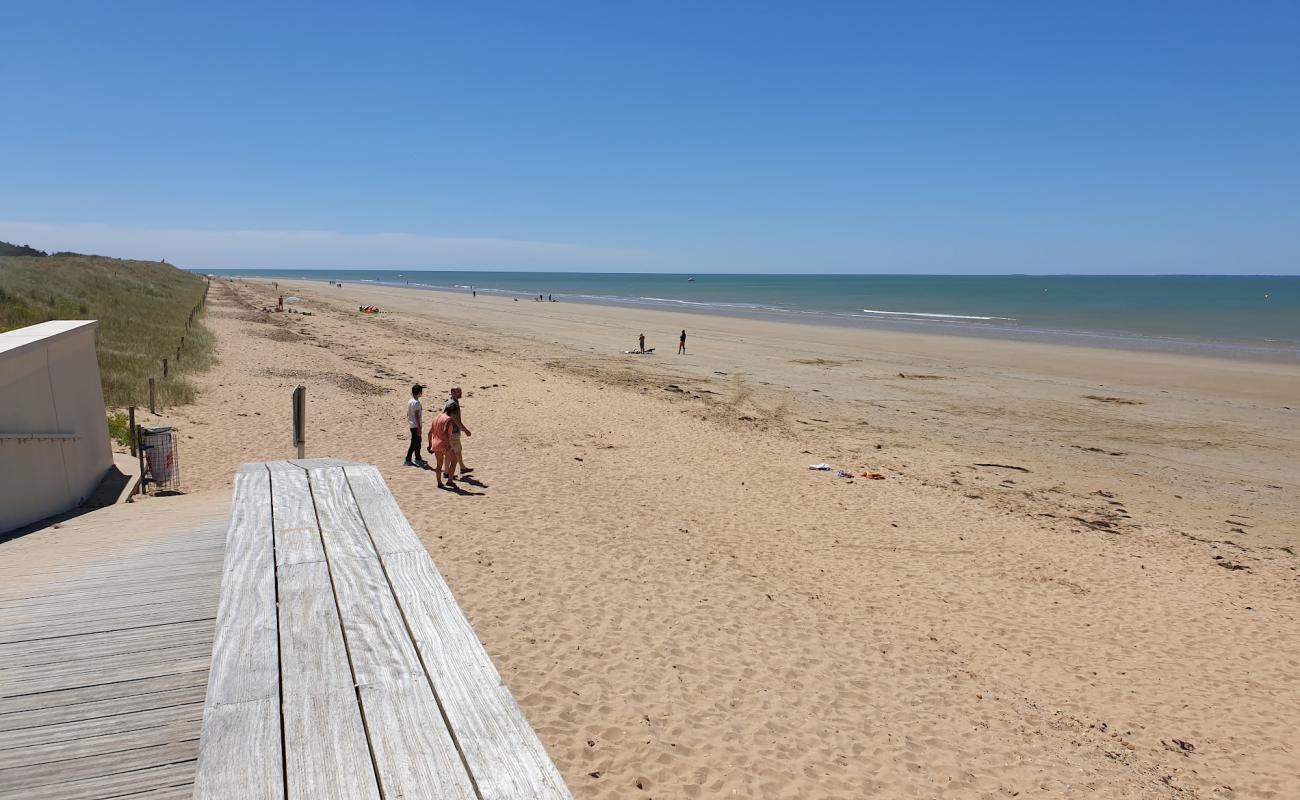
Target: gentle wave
{"type": "Point", "coordinates": [935, 316]}
{"type": "Point", "coordinates": [713, 304]}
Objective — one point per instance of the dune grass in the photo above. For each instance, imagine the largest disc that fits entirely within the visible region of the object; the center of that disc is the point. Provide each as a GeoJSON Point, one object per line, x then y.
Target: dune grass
{"type": "Point", "coordinates": [142, 307]}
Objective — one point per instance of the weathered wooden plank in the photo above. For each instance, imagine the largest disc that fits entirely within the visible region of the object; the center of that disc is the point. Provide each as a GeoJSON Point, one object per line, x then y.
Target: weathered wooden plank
{"type": "Point", "coordinates": [102, 605]}
{"type": "Point", "coordinates": [415, 760]}
{"type": "Point", "coordinates": [107, 707]}
{"type": "Point", "coordinates": [326, 753]}
{"type": "Point", "coordinates": [66, 626]}
{"type": "Point", "coordinates": [316, 463]}
{"type": "Point", "coordinates": [501, 748]}
{"type": "Point", "coordinates": [81, 695]}
{"type": "Point", "coordinates": [200, 573]}
{"type": "Point", "coordinates": [21, 779]}
{"type": "Point", "coordinates": [128, 673]}
{"type": "Point", "coordinates": [245, 652]}
{"type": "Point", "coordinates": [281, 466]}
{"type": "Point", "coordinates": [389, 528]}
{"type": "Point", "coordinates": [117, 723]}
{"type": "Point", "coordinates": [379, 644]}
{"type": "Point", "coordinates": [297, 539]}
{"type": "Point", "coordinates": [343, 530]}
{"type": "Point", "coordinates": [113, 742]}
{"type": "Point", "coordinates": [187, 569]}
{"type": "Point", "coordinates": [74, 669]}
{"type": "Point", "coordinates": [121, 785]}
{"type": "Point", "coordinates": [100, 644]}
{"type": "Point", "coordinates": [384, 660]}
{"type": "Point", "coordinates": [239, 752]}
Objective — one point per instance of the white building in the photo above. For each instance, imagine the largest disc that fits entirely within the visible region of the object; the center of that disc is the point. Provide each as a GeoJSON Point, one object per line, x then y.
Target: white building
{"type": "Point", "coordinates": [54, 446]}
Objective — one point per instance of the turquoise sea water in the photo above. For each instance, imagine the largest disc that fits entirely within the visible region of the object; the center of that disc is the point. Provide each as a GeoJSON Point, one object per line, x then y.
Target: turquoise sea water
{"type": "Point", "coordinates": [1248, 316]}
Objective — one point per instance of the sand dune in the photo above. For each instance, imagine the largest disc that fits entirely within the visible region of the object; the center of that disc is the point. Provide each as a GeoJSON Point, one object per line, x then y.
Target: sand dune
{"type": "Point", "coordinates": [1078, 578]}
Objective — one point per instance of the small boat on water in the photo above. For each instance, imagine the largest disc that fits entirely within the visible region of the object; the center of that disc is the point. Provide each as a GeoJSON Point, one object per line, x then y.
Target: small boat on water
{"type": "Point", "coordinates": [690, 280]}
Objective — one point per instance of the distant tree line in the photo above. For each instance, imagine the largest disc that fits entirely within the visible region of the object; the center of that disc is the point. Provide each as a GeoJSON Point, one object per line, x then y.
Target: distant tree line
{"type": "Point", "coordinates": [7, 249]}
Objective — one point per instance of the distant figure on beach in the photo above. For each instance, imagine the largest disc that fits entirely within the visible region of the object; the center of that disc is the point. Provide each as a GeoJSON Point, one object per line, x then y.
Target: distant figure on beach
{"type": "Point", "coordinates": [279, 304]}
{"type": "Point", "coordinates": [452, 407]}
{"type": "Point", "coordinates": [415, 421]}
{"type": "Point", "coordinates": [473, 292]}
{"type": "Point", "coordinates": [640, 343]}
{"type": "Point", "coordinates": [681, 344]}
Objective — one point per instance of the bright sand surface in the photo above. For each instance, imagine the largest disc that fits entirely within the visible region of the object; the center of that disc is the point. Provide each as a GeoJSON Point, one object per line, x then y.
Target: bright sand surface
{"type": "Point", "coordinates": [1079, 578]}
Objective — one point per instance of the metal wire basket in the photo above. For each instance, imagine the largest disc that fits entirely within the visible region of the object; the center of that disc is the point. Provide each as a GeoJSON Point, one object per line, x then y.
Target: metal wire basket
{"type": "Point", "coordinates": [162, 466]}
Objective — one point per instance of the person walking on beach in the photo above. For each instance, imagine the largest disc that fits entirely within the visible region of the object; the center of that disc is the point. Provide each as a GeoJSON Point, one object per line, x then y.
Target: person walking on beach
{"type": "Point", "coordinates": [440, 446]}
{"type": "Point", "coordinates": [452, 407]}
{"type": "Point", "coordinates": [444, 443]}
{"type": "Point", "coordinates": [681, 344]}
{"type": "Point", "coordinates": [640, 343]}
{"type": "Point", "coordinates": [415, 421]}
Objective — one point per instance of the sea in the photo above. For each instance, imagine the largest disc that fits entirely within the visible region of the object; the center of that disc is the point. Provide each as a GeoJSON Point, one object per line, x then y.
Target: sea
{"type": "Point", "coordinates": [1250, 317]}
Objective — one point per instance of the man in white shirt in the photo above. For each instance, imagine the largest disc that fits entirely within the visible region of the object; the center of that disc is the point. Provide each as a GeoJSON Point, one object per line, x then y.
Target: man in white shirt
{"type": "Point", "coordinates": [415, 421]}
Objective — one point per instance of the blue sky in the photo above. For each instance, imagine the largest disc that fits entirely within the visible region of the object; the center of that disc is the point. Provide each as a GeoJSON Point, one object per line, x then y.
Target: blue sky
{"type": "Point", "coordinates": [730, 137]}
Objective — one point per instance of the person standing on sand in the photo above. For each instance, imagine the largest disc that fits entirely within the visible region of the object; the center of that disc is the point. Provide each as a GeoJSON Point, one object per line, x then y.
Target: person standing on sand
{"type": "Point", "coordinates": [452, 407]}
{"type": "Point", "coordinates": [681, 344]}
{"type": "Point", "coordinates": [415, 421]}
{"type": "Point", "coordinates": [440, 446]}
{"type": "Point", "coordinates": [640, 343]}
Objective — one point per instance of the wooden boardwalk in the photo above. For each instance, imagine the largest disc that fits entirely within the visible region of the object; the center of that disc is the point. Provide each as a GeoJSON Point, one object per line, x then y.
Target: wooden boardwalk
{"type": "Point", "coordinates": [106, 626]}
{"type": "Point", "coordinates": [342, 666]}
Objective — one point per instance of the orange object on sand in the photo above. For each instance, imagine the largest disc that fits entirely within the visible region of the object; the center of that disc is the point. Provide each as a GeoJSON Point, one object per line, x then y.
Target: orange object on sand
{"type": "Point", "coordinates": [875, 476]}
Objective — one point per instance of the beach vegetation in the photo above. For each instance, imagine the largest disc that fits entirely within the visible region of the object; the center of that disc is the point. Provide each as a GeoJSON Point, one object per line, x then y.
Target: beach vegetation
{"type": "Point", "coordinates": [119, 428]}
{"type": "Point", "coordinates": [142, 308]}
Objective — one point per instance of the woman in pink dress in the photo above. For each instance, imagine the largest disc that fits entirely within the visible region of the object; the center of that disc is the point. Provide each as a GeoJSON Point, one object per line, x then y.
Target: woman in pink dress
{"type": "Point", "coordinates": [440, 437]}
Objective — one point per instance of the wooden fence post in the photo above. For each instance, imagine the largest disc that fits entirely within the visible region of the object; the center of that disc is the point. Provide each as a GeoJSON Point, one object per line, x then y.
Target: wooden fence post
{"type": "Point", "coordinates": [139, 435]}
{"type": "Point", "coordinates": [300, 419]}
{"type": "Point", "coordinates": [131, 414]}
{"type": "Point", "coordinates": [164, 368]}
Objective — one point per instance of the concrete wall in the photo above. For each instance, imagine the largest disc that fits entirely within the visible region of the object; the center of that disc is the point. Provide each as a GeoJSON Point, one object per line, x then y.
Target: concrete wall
{"type": "Point", "coordinates": [54, 446]}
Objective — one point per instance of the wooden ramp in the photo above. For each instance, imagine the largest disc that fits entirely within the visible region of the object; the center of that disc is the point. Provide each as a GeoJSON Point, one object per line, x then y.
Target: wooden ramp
{"type": "Point", "coordinates": [342, 666]}
{"type": "Point", "coordinates": [106, 628]}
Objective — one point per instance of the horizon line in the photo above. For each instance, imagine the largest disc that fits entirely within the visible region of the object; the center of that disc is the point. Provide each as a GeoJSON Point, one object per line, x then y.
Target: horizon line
{"type": "Point", "coordinates": [770, 274]}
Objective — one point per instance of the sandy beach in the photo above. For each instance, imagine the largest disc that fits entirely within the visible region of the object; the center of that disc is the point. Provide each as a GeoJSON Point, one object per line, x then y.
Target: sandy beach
{"type": "Point", "coordinates": [1077, 578]}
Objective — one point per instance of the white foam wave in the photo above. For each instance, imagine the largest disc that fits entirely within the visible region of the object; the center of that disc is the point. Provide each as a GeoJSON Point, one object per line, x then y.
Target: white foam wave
{"type": "Point", "coordinates": [934, 316]}
{"type": "Point", "coordinates": [709, 304]}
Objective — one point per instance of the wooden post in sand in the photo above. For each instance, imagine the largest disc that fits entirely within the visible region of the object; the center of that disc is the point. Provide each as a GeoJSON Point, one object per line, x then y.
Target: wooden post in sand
{"type": "Point", "coordinates": [300, 419]}
{"type": "Point", "coordinates": [164, 368]}
{"type": "Point", "coordinates": [153, 404]}
{"type": "Point", "coordinates": [138, 435]}
{"type": "Point", "coordinates": [131, 421]}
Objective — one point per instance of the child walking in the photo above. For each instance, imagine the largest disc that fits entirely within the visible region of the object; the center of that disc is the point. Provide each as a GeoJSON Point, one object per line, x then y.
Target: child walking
{"type": "Point", "coordinates": [444, 434]}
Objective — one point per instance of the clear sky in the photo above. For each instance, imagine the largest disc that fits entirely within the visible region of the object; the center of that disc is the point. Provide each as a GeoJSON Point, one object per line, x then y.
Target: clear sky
{"type": "Point", "coordinates": [962, 137]}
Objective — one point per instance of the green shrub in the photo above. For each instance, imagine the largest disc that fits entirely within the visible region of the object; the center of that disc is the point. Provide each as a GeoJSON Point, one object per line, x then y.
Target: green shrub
{"type": "Point", "coordinates": [119, 428]}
